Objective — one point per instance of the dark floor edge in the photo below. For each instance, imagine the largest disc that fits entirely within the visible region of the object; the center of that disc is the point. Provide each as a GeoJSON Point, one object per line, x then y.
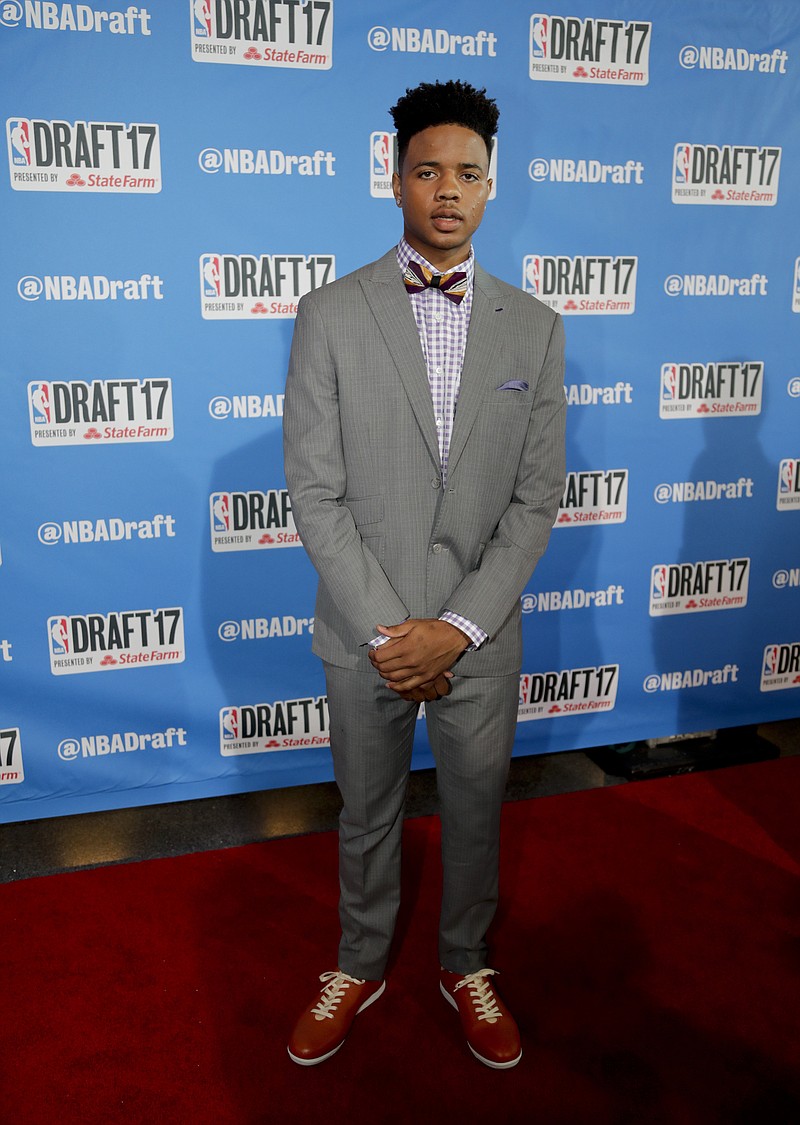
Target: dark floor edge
{"type": "Point", "coordinates": [87, 841]}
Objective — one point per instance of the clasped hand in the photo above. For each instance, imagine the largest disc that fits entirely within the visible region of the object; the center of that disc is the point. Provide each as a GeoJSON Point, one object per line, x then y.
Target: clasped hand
{"type": "Point", "coordinates": [416, 661]}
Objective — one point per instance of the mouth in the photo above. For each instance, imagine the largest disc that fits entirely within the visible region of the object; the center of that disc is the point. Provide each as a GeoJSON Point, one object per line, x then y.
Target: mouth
{"type": "Point", "coordinates": [446, 219]}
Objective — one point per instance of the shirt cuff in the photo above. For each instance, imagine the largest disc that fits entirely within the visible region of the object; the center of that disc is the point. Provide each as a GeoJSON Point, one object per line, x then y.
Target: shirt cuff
{"type": "Point", "coordinates": [376, 642]}
{"type": "Point", "coordinates": [473, 631]}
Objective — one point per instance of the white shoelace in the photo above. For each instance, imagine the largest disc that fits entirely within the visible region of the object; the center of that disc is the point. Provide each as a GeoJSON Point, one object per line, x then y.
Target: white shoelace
{"type": "Point", "coordinates": [332, 994]}
{"type": "Point", "coordinates": [481, 995]}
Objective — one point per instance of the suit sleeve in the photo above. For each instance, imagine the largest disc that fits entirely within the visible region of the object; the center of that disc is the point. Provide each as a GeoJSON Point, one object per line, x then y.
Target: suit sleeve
{"type": "Point", "coordinates": [487, 595]}
{"type": "Point", "coordinates": [316, 477]}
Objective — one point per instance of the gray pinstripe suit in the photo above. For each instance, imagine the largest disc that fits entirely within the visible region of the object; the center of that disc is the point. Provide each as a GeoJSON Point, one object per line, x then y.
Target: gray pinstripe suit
{"type": "Point", "coordinates": [388, 542]}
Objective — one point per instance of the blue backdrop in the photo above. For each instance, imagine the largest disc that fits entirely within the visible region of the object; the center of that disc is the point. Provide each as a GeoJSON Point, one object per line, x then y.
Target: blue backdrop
{"type": "Point", "coordinates": [180, 174]}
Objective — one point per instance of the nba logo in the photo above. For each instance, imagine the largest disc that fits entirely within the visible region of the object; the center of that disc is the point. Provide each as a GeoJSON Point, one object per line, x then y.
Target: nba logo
{"type": "Point", "coordinates": [538, 37]}
{"type": "Point", "coordinates": [229, 723]}
{"type": "Point", "coordinates": [382, 163]}
{"type": "Point", "coordinates": [201, 19]}
{"type": "Point", "coordinates": [524, 688]}
{"type": "Point", "coordinates": [659, 582]}
{"type": "Point", "coordinates": [682, 155]}
{"type": "Point", "coordinates": [381, 153]}
{"type": "Point", "coordinates": [786, 476]}
{"type": "Point", "coordinates": [209, 275]}
{"type": "Point", "coordinates": [668, 382]}
{"type": "Point", "coordinates": [770, 660]}
{"type": "Point", "coordinates": [59, 637]}
{"type": "Point", "coordinates": [39, 396]}
{"type": "Point", "coordinates": [19, 142]}
{"type": "Point", "coordinates": [220, 512]}
{"type": "Point", "coordinates": [531, 273]}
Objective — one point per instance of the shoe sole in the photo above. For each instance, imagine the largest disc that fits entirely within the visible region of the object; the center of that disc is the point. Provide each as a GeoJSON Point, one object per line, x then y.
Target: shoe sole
{"type": "Point", "coordinates": [480, 1058]}
{"type": "Point", "coordinates": [322, 1058]}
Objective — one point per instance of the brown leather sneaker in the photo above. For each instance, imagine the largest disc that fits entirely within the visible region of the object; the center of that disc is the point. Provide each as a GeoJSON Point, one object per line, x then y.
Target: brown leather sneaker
{"type": "Point", "coordinates": [492, 1035]}
{"type": "Point", "coordinates": [323, 1027]}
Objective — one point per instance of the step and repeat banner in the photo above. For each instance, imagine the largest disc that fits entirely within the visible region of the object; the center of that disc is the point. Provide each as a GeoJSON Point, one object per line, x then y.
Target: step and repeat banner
{"type": "Point", "coordinates": [179, 174]}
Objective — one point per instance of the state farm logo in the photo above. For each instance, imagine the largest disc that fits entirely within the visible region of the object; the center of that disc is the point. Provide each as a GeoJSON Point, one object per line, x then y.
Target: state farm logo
{"type": "Point", "coordinates": [113, 529]}
{"type": "Point", "coordinates": [711, 390]}
{"type": "Point", "coordinates": [571, 691]}
{"type": "Point", "coordinates": [90, 287]}
{"type": "Point", "coordinates": [780, 667]}
{"type": "Point", "coordinates": [97, 642]}
{"type": "Point", "coordinates": [96, 156]}
{"type": "Point", "coordinates": [11, 768]}
{"type": "Point", "coordinates": [789, 484]}
{"type": "Point", "coordinates": [594, 497]}
{"type": "Point", "coordinates": [557, 600]}
{"type": "Point", "coordinates": [560, 170]}
{"type": "Point", "coordinates": [796, 287]}
{"type": "Point", "coordinates": [261, 162]}
{"type": "Point", "coordinates": [263, 33]}
{"type": "Point", "coordinates": [267, 287]}
{"type": "Point", "coordinates": [105, 411]}
{"type": "Point", "coordinates": [611, 52]}
{"type": "Point", "coordinates": [252, 521]}
{"type": "Point", "coordinates": [585, 394]}
{"type": "Point", "coordinates": [52, 16]}
{"type": "Point", "coordinates": [287, 724]}
{"type": "Point", "coordinates": [383, 163]}
{"type": "Point", "coordinates": [733, 58]}
{"type": "Point", "coordinates": [582, 285]}
{"type": "Point", "coordinates": [120, 742]}
{"type": "Point", "coordinates": [246, 406]}
{"type": "Point", "coordinates": [699, 586]}
{"type": "Point", "coordinates": [736, 175]}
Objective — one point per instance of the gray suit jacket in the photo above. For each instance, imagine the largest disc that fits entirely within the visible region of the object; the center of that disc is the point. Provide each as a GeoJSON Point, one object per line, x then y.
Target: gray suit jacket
{"type": "Point", "coordinates": [363, 471]}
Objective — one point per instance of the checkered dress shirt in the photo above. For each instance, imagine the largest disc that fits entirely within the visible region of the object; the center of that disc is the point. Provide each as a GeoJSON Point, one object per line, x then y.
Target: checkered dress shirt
{"type": "Point", "coordinates": [442, 325]}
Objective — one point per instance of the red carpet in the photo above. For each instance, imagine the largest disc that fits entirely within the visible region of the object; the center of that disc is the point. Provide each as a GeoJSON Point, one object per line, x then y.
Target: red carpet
{"type": "Point", "coordinates": [648, 942]}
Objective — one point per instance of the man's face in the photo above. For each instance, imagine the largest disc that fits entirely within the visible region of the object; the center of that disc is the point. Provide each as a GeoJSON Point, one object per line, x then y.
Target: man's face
{"type": "Point", "coordinates": [442, 189]}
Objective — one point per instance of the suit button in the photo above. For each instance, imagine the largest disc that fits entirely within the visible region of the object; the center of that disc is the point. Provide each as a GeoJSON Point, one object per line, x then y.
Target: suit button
{"type": "Point", "coordinates": [437, 548]}
{"type": "Point", "coordinates": [436, 483]}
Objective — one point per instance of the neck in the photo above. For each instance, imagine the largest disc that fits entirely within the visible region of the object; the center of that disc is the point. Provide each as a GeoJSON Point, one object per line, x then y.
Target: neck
{"type": "Point", "coordinates": [441, 260]}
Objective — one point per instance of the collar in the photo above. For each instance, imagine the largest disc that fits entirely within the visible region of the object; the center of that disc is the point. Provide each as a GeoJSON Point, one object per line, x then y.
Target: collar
{"type": "Point", "coordinates": [406, 254]}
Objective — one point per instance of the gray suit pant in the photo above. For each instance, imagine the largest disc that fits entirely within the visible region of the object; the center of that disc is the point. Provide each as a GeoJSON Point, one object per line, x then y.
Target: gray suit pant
{"type": "Point", "coordinates": [471, 732]}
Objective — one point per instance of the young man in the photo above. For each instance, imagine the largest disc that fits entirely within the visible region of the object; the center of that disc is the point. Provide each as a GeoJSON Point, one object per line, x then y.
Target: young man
{"type": "Point", "coordinates": [424, 523]}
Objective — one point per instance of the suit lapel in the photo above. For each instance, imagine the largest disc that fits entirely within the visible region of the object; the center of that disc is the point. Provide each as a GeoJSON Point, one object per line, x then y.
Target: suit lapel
{"type": "Point", "coordinates": [481, 360]}
{"type": "Point", "coordinates": [387, 298]}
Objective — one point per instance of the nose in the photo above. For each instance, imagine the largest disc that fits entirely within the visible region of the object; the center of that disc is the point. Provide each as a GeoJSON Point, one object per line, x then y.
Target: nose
{"type": "Point", "coordinates": [448, 187]}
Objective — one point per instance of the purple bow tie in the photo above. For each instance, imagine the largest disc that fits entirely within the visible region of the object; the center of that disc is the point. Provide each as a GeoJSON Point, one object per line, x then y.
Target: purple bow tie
{"type": "Point", "coordinates": [451, 285]}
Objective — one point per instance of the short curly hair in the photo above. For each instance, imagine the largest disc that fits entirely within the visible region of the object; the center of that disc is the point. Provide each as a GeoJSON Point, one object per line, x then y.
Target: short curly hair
{"type": "Point", "coordinates": [444, 103]}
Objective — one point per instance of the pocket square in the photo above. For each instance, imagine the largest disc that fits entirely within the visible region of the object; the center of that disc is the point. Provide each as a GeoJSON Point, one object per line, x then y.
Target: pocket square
{"type": "Point", "coordinates": [514, 385]}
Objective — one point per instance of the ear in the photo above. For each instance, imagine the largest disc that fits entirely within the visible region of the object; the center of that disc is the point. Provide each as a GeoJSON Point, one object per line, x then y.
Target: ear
{"type": "Point", "coordinates": [397, 189]}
